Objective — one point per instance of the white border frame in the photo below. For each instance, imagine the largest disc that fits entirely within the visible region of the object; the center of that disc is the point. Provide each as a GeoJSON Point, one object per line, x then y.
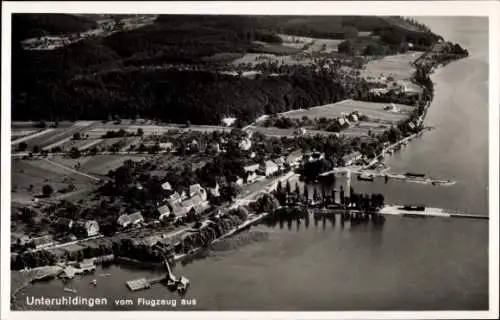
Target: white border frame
{"type": "Point", "coordinates": [408, 8]}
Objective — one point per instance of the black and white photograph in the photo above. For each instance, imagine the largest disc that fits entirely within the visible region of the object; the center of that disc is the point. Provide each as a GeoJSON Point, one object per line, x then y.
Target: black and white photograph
{"type": "Point", "coordinates": [214, 161]}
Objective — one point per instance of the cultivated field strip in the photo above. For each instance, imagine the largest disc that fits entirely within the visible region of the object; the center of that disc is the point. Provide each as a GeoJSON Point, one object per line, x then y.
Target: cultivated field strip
{"type": "Point", "coordinates": [32, 136]}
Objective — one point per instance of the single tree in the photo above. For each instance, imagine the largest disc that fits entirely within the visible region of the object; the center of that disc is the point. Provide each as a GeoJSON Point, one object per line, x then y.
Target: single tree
{"type": "Point", "coordinates": [47, 190]}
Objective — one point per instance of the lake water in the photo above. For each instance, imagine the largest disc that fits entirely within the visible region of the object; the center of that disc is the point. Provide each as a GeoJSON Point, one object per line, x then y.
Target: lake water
{"type": "Point", "coordinates": [408, 264]}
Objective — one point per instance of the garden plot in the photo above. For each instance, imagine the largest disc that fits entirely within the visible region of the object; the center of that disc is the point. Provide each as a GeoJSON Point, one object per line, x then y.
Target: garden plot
{"type": "Point", "coordinates": [399, 66]}
{"type": "Point", "coordinates": [373, 110]}
{"type": "Point", "coordinates": [36, 137]}
{"type": "Point", "coordinates": [20, 133]}
{"type": "Point", "coordinates": [87, 143]}
{"type": "Point", "coordinates": [37, 173]}
{"type": "Point", "coordinates": [102, 164]}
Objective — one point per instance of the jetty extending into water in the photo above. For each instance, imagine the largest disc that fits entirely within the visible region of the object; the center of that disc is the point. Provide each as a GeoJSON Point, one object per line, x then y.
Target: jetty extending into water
{"type": "Point", "coordinates": [427, 212]}
{"type": "Point", "coordinates": [401, 210]}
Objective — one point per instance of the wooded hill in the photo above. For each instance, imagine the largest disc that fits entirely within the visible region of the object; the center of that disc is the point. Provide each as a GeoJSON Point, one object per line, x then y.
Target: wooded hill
{"type": "Point", "coordinates": [44, 82]}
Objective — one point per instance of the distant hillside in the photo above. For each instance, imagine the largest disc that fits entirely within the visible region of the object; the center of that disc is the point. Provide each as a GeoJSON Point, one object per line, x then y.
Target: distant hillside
{"type": "Point", "coordinates": [27, 25]}
{"type": "Point", "coordinates": [44, 81]}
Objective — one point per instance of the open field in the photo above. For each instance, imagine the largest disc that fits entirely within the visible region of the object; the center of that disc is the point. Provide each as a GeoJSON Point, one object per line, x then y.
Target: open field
{"type": "Point", "coordinates": [38, 173]}
{"type": "Point", "coordinates": [396, 66]}
{"type": "Point", "coordinates": [308, 44]}
{"type": "Point", "coordinates": [373, 110]}
{"type": "Point", "coordinates": [277, 132]}
{"type": "Point", "coordinates": [275, 48]}
{"type": "Point", "coordinates": [52, 137]}
{"type": "Point", "coordinates": [362, 129]}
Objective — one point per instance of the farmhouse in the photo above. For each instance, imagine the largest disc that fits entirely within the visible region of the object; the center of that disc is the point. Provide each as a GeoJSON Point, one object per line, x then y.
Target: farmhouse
{"type": "Point", "coordinates": [268, 168]}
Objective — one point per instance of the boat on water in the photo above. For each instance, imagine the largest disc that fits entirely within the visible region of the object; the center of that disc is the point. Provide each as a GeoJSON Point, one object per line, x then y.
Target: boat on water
{"type": "Point", "coordinates": [443, 183]}
{"type": "Point", "coordinates": [413, 208]}
{"type": "Point", "coordinates": [70, 290]}
{"type": "Point", "coordinates": [365, 177]}
{"type": "Point", "coordinates": [415, 175]}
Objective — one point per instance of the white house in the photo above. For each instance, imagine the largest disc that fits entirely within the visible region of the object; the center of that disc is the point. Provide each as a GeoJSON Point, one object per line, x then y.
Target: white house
{"type": "Point", "coordinates": [91, 228]}
{"type": "Point", "coordinates": [124, 220]}
{"type": "Point", "coordinates": [228, 121]}
{"type": "Point", "coordinates": [163, 212]}
{"type": "Point", "coordinates": [280, 162]}
{"type": "Point", "coordinates": [191, 202]}
{"type": "Point", "coordinates": [166, 186]}
{"type": "Point", "coordinates": [251, 176]}
{"type": "Point", "coordinates": [166, 146]}
{"type": "Point", "coordinates": [251, 168]}
{"type": "Point", "coordinates": [136, 218]}
{"type": "Point", "coordinates": [353, 117]}
{"type": "Point", "coordinates": [196, 189]}
{"type": "Point", "coordinates": [245, 144]}
{"type": "Point", "coordinates": [293, 159]}
{"type": "Point", "coordinates": [269, 168]}
{"type": "Point", "coordinates": [316, 156]}
{"type": "Point", "coordinates": [174, 198]}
